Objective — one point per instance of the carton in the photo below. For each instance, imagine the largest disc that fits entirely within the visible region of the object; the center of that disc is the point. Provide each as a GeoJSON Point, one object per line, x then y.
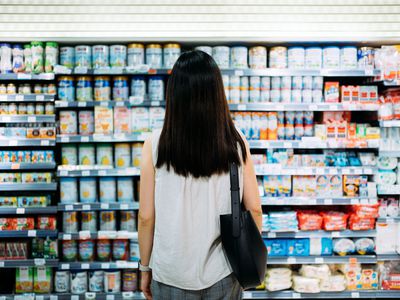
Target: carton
{"type": "Point", "coordinates": [331, 92]}
{"type": "Point", "coordinates": [103, 120]}
{"type": "Point", "coordinates": [122, 120]}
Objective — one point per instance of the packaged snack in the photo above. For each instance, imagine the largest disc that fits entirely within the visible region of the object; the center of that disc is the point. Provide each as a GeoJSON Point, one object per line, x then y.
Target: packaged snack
{"type": "Point", "coordinates": [25, 223]}
{"type": "Point", "coordinates": [24, 280]}
{"type": "Point", "coordinates": [42, 279]}
{"type": "Point", "coordinates": [358, 223]}
{"type": "Point", "coordinates": [309, 220]}
{"type": "Point", "coordinates": [334, 220]}
{"type": "Point", "coordinates": [47, 223]}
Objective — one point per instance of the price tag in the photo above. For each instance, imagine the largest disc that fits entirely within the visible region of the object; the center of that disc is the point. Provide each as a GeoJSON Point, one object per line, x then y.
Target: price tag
{"type": "Point", "coordinates": [319, 260]}
{"type": "Point", "coordinates": [102, 173]}
{"type": "Point", "coordinates": [39, 97]}
{"type": "Point", "coordinates": [86, 207]}
{"type": "Point", "coordinates": [1, 264]}
{"type": "Point", "coordinates": [353, 260]}
{"type": "Point", "coordinates": [319, 171]}
{"type": "Point", "coordinates": [119, 103]}
{"type": "Point", "coordinates": [368, 171]}
{"type": "Point", "coordinates": [64, 266]}
{"type": "Point", "coordinates": [15, 166]}
{"type": "Point", "coordinates": [335, 234]}
{"type": "Point", "coordinates": [64, 139]}
{"type": "Point", "coordinates": [31, 119]}
{"type": "Point", "coordinates": [354, 201]}
{"type": "Point", "coordinates": [69, 207]}
{"type": "Point", "coordinates": [74, 297]}
{"type": "Point", "coordinates": [296, 295]}
{"type": "Point", "coordinates": [64, 173]}
{"type": "Point", "coordinates": [121, 264]}
{"type": "Point", "coordinates": [44, 142]}
{"type": "Point", "coordinates": [355, 295]}
{"type": "Point", "coordinates": [346, 171]}
{"type": "Point", "coordinates": [90, 295]}
{"type": "Point", "coordinates": [291, 260]}
{"type": "Point", "coordinates": [20, 211]}
{"type": "Point", "coordinates": [124, 206]}
{"type": "Point", "coordinates": [279, 107]}
{"type": "Point", "coordinates": [31, 233]}
{"type": "Point", "coordinates": [241, 107]}
{"type": "Point", "coordinates": [155, 103]}
{"type": "Point", "coordinates": [332, 107]}
{"type": "Point", "coordinates": [369, 72]}
{"type": "Point", "coordinates": [84, 139]}
{"type": "Point", "coordinates": [66, 237]}
{"type": "Point", "coordinates": [287, 145]}
{"type": "Point", "coordinates": [333, 171]}
{"type": "Point", "coordinates": [110, 297]}
{"type": "Point", "coordinates": [39, 261]}
{"type": "Point", "coordinates": [247, 295]}
{"type": "Point", "coordinates": [13, 143]}
{"type": "Point", "coordinates": [239, 72]}
{"type": "Point", "coordinates": [127, 295]}
{"type": "Point", "coordinates": [85, 266]}
{"type": "Point", "coordinates": [39, 297]}
{"type": "Point", "coordinates": [104, 206]}
{"type": "Point", "coordinates": [3, 97]}
{"type": "Point", "coordinates": [272, 235]}
{"type": "Point", "coordinates": [364, 201]}
{"type": "Point", "coordinates": [24, 76]}
{"type": "Point", "coordinates": [6, 119]}
{"type": "Point", "coordinates": [313, 107]}
{"type": "Point", "coordinates": [328, 201]}
{"type": "Point", "coordinates": [53, 297]}
{"type": "Point", "coordinates": [105, 265]}
{"type": "Point", "coordinates": [81, 70]}
{"type": "Point", "coordinates": [86, 173]}
{"type": "Point", "coordinates": [82, 104]}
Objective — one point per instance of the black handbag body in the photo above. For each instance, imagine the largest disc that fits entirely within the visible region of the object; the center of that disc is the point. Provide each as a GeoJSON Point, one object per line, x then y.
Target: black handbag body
{"type": "Point", "coordinates": [241, 240]}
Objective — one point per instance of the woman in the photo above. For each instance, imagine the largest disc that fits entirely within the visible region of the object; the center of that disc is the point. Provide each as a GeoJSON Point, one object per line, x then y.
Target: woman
{"type": "Point", "coordinates": [185, 187]}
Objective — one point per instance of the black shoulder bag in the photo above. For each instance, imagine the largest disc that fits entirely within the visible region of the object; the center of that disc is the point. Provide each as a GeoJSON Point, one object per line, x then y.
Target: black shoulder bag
{"type": "Point", "coordinates": [242, 241]}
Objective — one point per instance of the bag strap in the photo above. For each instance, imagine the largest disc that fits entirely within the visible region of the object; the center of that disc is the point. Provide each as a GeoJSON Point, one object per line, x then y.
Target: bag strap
{"type": "Point", "coordinates": [235, 199]}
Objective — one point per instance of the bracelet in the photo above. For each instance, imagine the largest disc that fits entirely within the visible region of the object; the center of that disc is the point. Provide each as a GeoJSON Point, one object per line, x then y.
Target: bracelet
{"type": "Point", "coordinates": [143, 268]}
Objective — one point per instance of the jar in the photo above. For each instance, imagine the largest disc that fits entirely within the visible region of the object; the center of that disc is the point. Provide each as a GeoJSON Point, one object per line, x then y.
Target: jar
{"type": "Point", "coordinates": [171, 55]}
{"type": "Point", "coordinates": [18, 58]}
{"type": "Point", "coordinates": [239, 57]}
{"type": "Point", "coordinates": [37, 57]}
{"type": "Point", "coordinates": [48, 108]}
{"type": "Point", "coordinates": [5, 58]}
{"type": "Point", "coordinates": [135, 55]}
{"type": "Point", "coordinates": [120, 88]}
{"type": "Point", "coordinates": [83, 56]}
{"type": "Point", "coordinates": [3, 89]}
{"type": "Point", "coordinates": [39, 109]}
{"type": "Point", "coordinates": [66, 90]}
{"type": "Point", "coordinates": [26, 89]}
{"type": "Point", "coordinates": [51, 89]}
{"type": "Point", "coordinates": [30, 109]}
{"type": "Point", "coordinates": [258, 57]}
{"type": "Point", "coordinates": [154, 56]}
{"type": "Point", "coordinates": [84, 90]}
{"type": "Point", "coordinates": [67, 57]}
{"type": "Point", "coordinates": [69, 250]}
{"type": "Point", "coordinates": [11, 88]}
{"type": "Point", "coordinates": [221, 56]}
{"type": "Point", "coordinates": [51, 56]}
{"type": "Point", "coordinates": [28, 58]}
{"type": "Point", "coordinates": [102, 90]}
{"type": "Point", "coordinates": [206, 49]}
{"type": "Point", "coordinates": [37, 88]}
{"type": "Point", "coordinates": [156, 88]}
{"type": "Point", "coordinates": [244, 89]}
{"type": "Point", "coordinates": [138, 87]}
{"type": "Point", "coordinates": [100, 55]}
{"type": "Point", "coordinates": [103, 250]}
{"type": "Point", "coordinates": [278, 57]}
{"type": "Point", "coordinates": [86, 250]}
{"type": "Point", "coordinates": [22, 109]}
{"type": "Point", "coordinates": [118, 56]}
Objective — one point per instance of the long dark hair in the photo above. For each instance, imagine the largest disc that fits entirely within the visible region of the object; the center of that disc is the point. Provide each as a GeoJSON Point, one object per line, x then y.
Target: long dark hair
{"type": "Point", "coordinates": [198, 137]}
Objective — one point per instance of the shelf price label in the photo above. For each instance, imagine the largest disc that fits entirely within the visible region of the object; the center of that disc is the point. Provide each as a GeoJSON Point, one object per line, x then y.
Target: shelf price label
{"type": "Point", "coordinates": [127, 295]}
{"type": "Point", "coordinates": [39, 97]}
{"type": "Point", "coordinates": [85, 266]}
{"type": "Point", "coordinates": [355, 295]}
{"type": "Point", "coordinates": [69, 207]}
{"type": "Point", "coordinates": [104, 206]}
{"type": "Point", "coordinates": [39, 261]}
{"type": "Point", "coordinates": [124, 206]}
{"type": "Point", "coordinates": [53, 297]}
{"type": "Point", "coordinates": [74, 297]}
{"type": "Point", "coordinates": [20, 211]}
{"type": "Point", "coordinates": [291, 260]}
{"type": "Point", "coordinates": [1, 264]}
{"type": "Point", "coordinates": [110, 297]}
{"type": "Point", "coordinates": [85, 173]}
{"type": "Point", "coordinates": [105, 265]}
{"type": "Point", "coordinates": [319, 260]}
{"type": "Point", "coordinates": [85, 139]}
{"type": "Point", "coordinates": [44, 142]}
{"type": "Point", "coordinates": [13, 142]}
{"type": "Point", "coordinates": [31, 119]}
{"type": "Point", "coordinates": [31, 233]}
{"type": "Point", "coordinates": [90, 295]}
{"type": "Point", "coordinates": [24, 76]}
{"type": "Point", "coordinates": [296, 295]}
{"type": "Point", "coordinates": [64, 266]}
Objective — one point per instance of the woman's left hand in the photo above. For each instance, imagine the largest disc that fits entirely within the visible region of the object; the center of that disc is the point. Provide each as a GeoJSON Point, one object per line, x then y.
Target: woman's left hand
{"type": "Point", "coordinates": [145, 284]}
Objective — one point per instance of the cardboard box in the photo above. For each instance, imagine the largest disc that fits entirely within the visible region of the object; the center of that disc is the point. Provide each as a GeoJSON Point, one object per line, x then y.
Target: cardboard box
{"type": "Point", "coordinates": [103, 120]}
{"type": "Point", "coordinates": [331, 92]}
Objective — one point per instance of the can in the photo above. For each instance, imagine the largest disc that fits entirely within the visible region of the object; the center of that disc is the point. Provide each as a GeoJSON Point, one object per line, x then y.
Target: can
{"type": "Point", "coordinates": [66, 90]}
{"type": "Point", "coordinates": [122, 155]}
{"type": "Point", "coordinates": [317, 96]}
{"type": "Point", "coordinates": [69, 250]}
{"type": "Point", "coordinates": [265, 96]}
{"type": "Point", "coordinates": [100, 56]}
{"type": "Point", "coordinates": [296, 57]}
{"type": "Point", "coordinates": [37, 57]}
{"type": "Point", "coordinates": [51, 51]}
{"type": "Point", "coordinates": [103, 249]}
{"type": "Point", "coordinates": [134, 252]}
{"type": "Point", "coordinates": [68, 122]}
{"type": "Point", "coordinates": [125, 189]}
{"type": "Point", "coordinates": [108, 189]}
{"type": "Point", "coordinates": [308, 118]}
{"type": "Point", "coordinates": [11, 88]}
{"type": "Point", "coordinates": [79, 282]}
{"type": "Point", "coordinates": [120, 88]}
{"type": "Point", "coordinates": [307, 82]}
{"type": "Point", "coordinates": [84, 88]}
{"type": "Point", "coordinates": [39, 109]}
{"type": "Point", "coordinates": [102, 89]}
{"type": "Point", "coordinates": [272, 125]}
{"type": "Point", "coordinates": [128, 221]}
{"type": "Point", "coordinates": [154, 56]}
{"type": "Point", "coordinates": [265, 83]}
{"type": "Point", "coordinates": [276, 83]}
{"type": "Point", "coordinates": [83, 56]}
{"type": "Point", "coordinates": [348, 57]}
{"type": "Point", "coordinates": [48, 109]}
{"type": "Point", "coordinates": [255, 126]}
{"type": "Point", "coordinates": [135, 55]}
{"type": "Point", "coordinates": [278, 57]}
{"type": "Point", "coordinates": [89, 221]}
{"type": "Point", "coordinates": [286, 96]}
{"type": "Point", "coordinates": [317, 82]}
{"type": "Point", "coordinates": [104, 154]}
{"type": "Point", "coordinates": [313, 58]}
{"type": "Point", "coordinates": [86, 250]}
{"type": "Point", "coordinates": [120, 249]}
{"type": "Point", "coordinates": [96, 281]}
{"type": "Point", "coordinates": [331, 57]}
{"type": "Point", "coordinates": [258, 57]}
{"type": "Point", "coordinates": [298, 131]}
{"type": "Point", "coordinates": [244, 89]}
{"type": "Point", "coordinates": [86, 122]}
{"type": "Point", "coordinates": [171, 55]}
{"type": "Point", "coordinates": [62, 282]}
{"type": "Point", "coordinates": [281, 125]}
{"type": "Point", "coordinates": [68, 190]}
{"type": "Point", "coordinates": [70, 222]}
{"type": "Point", "coordinates": [129, 281]}
{"type": "Point", "coordinates": [87, 154]}
{"type": "Point", "coordinates": [286, 82]}
{"type": "Point", "coordinates": [69, 155]}
{"type": "Point", "coordinates": [255, 89]}
{"type": "Point", "coordinates": [297, 83]}
{"type": "Point", "coordinates": [225, 81]}
{"type": "Point", "coordinates": [118, 56]}
{"type": "Point", "coordinates": [306, 96]}
{"type": "Point", "coordinates": [296, 96]}
{"type": "Point", "coordinates": [206, 49]}
{"type": "Point", "coordinates": [239, 57]}
{"type": "Point", "coordinates": [275, 95]}
{"type": "Point", "coordinates": [221, 56]}
{"type": "Point", "coordinates": [112, 281]}
{"type": "Point", "coordinates": [67, 57]}
{"type": "Point", "coordinates": [156, 88]}
{"type": "Point", "coordinates": [87, 190]}
{"type": "Point", "coordinates": [138, 87]}
{"type": "Point", "coordinates": [366, 57]}
{"type": "Point", "coordinates": [108, 221]}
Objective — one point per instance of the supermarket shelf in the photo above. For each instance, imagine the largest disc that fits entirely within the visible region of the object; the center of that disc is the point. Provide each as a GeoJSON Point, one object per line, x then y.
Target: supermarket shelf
{"type": "Point", "coordinates": [98, 206]}
{"type": "Point", "coordinates": [321, 233]}
{"type": "Point", "coordinates": [369, 294]}
{"type": "Point", "coordinates": [15, 263]}
{"type": "Point", "coordinates": [384, 189]}
{"type": "Point", "coordinates": [278, 169]}
{"type": "Point", "coordinates": [11, 142]}
{"type": "Point", "coordinates": [111, 71]}
{"type": "Point", "coordinates": [86, 235]}
{"type": "Point", "coordinates": [364, 259]}
{"type": "Point", "coordinates": [316, 201]}
{"type": "Point", "coordinates": [313, 144]}
{"type": "Point", "coordinates": [388, 257]}
{"type": "Point", "coordinates": [27, 118]}
{"type": "Point", "coordinates": [389, 153]}
{"type": "Point", "coordinates": [67, 104]}
{"type": "Point", "coordinates": [304, 72]}
{"type": "Point", "coordinates": [389, 220]}
{"type": "Point", "coordinates": [28, 210]}
{"type": "Point", "coordinates": [27, 98]}
{"type": "Point", "coordinates": [390, 123]}
{"type": "Point", "coordinates": [27, 166]}
{"type": "Point", "coordinates": [71, 172]}
{"type": "Point", "coordinates": [25, 76]}
{"type": "Point", "coordinates": [27, 233]}
{"type": "Point", "coordinates": [102, 138]}
{"type": "Point", "coordinates": [303, 107]}
{"type": "Point", "coordinates": [93, 265]}
{"type": "Point", "coordinates": [85, 296]}
{"type": "Point", "coordinates": [28, 187]}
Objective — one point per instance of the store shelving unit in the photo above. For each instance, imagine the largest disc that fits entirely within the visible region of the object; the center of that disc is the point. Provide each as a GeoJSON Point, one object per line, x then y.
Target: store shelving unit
{"type": "Point", "coordinates": [26, 76]}
{"type": "Point", "coordinates": [85, 296]}
{"type": "Point", "coordinates": [317, 201]}
{"type": "Point", "coordinates": [77, 104]}
{"type": "Point", "coordinates": [312, 143]}
{"type": "Point", "coordinates": [28, 233]}
{"type": "Point", "coordinates": [102, 138]}
{"type": "Point", "coordinates": [290, 260]}
{"type": "Point", "coordinates": [25, 142]}
{"type": "Point", "coordinates": [27, 98]}
{"type": "Point", "coordinates": [366, 294]}
{"type": "Point", "coordinates": [82, 235]}
{"type": "Point", "coordinates": [321, 233]}
{"type": "Point", "coordinates": [27, 118]}
{"type": "Point", "coordinates": [15, 263]}
{"type": "Point", "coordinates": [97, 265]}
{"type": "Point", "coordinates": [303, 107]}
{"type": "Point", "coordinates": [97, 172]}
{"type": "Point", "coordinates": [28, 186]}
{"type": "Point", "coordinates": [27, 166]}
{"type": "Point", "coordinates": [276, 169]}
{"type": "Point", "coordinates": [98, 206]}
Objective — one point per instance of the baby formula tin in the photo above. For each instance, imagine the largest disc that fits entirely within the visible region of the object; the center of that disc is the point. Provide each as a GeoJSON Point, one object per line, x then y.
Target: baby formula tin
{"type": "Point", "coordinates": [275, 95]}
{"type": "Point", "coordinates": [70, 222]}
{"type": "Point", "coordinates": [317, 82]}
{"type": "Point", "coordinates": [221, 56]}
{"type": "Point", "coordinates": [286, 96]}
{"type": "Point", "coordinates": [102, 89]}
{"type": "Point", "coordinates": [134, 252]}
{"type": "Point", "coordinates": [112, 281]}
{"type": "Point", "coordinates": [66, 90]}
{"type": "Point", "coordinates": [313, 58]}
{"type": "Point", "coordinates": [108, 190]}
{"type": "Point", "coordinates": [100, 54]}
{"type": "Point", "coordinates": [62, 282]}
{"type": "Point", "coordinates": [156, 88]}
{"type": "Point", "coordinates": [135, 54]}
{"type": "Point", "coordinates": [96, 281]}
{"type": "Point", "coordinates": [68, 122]}
{"type": "Point", "coordinates": [67, 57]}
{"type": "Point", "coordinates": [108, 220]}
{"type": "Point", "coordinates": [89, 221]}
{"type": "Point", "coordinates": [84, 88]}
{"type": "Point", "coordinates": [68, 190]}
{"type": "Point", "coordinates": [129, 281]}
{"type": "Point", "coordinates": [79, 282]}
{"type": "Point", "coordinates": [239, 57]}
{"type": "Point", "coordinates": [83, 56]}
{"type": "Point", "coordinates": [87, 190]}
{"type": "Point", "coordinates": [286, 82]}
{"type": "Point", "coordinates": [120, 88]}
{"type": "Point", "coordinates": [297, 83]}
{"type": "Point", "coordinates": [136, 154]}
{"type": "Point", "coordinates": [258, 57]}
{"type": "Point", "coordinates": [103, 250]}
{"type": "Point", "coordinates": [69, 250]}
{"type": "Point", "coordinates": [86, 154]}
{"type": "Point", "coordinates": [348, 57]}
{"type": "Point", "coordinates": [120, 249]}
{"type": "Point", "coordinates": [278, 57]}
{"type": "Point", "coordinates": [118, 56]}
{"type": "Point", "coordinates": [128, 220]}
{"type": "Point", "coordinates": [48, 109]}
{"type": "Point", "coordinates": [205, 49]}
{"type": "Point", "coordinates": [331, 57]}
{"type": "Point", "coordinates": [125, 189]}
{"type": "Point", "coordinates": [140, 117]}
{"type": "Point", "coordinates": [86, 250]}
{"type": "Point", "coordinates": [255, 89]}
{"type": "Point", "coordinates": [138, 88]}
{"type": "Point", "coordinates": [86, 122]}
{"type": "Point", "coordinates": [306, 96]}
{"type": "Point", "coordinates": [296, 57]}
{"type": "Point", "coordinates": [171, 55]}
{"type": "Point", "coordinates": [276, 83]}
{"type": "Point", "coordinates": [154, 56]}
{"type": "Point", "coordinates": [244, 89]}
{"type": "Point", "coordinates": [225, 81]}
{"type": "Point", "coordinates": [104, 154]}
{"type": "Point", "coordinates": [69, 155]}
{"type": "Point", "coordinates": [296, 96]}
{"type": "Point", "coordinates": [39, 109]}
{"type": "Point", "coordinates": [317, 96]}
{"type": "Point", "coordinates": [122, 155]}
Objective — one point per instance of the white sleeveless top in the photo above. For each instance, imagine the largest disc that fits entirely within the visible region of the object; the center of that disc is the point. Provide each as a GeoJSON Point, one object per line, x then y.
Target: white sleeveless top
{"type": "Point", "coordinates": [187, 250]}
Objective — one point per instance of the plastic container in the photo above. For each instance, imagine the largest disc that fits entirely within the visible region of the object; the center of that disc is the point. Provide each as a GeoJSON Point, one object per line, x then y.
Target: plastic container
{"type": "Point", "coordinates": [138, 87]}
{"type": "Point", "coordinates": [66, 89]}
{"type": "Point", "coordinates": [102, 88]}
{"type": "Point", "coordinates": [239, 57]}
{"type": "Point", "coordinates": [278, 57]}
{"type": "Point", "coordinates": [206, 49]}
{"type": "Point", "coordinates": [331, 57]}
{"type": "Point", "coordinates": [67, 57]}
{"type": "Point", "coordinates": [51, 60]}
{"type": "Point", "coordinates": [156, 88]}
{"type": "Point", "coordinates": [258, 57]}
{"type": "Point", "coordinates": [296, 58]}
{"type": "Point", "coordinates": [70, 222]}
{"type": "Point", "coordinates": [313, 58]}
{"type": "Point", "coordinates": [37, 57]}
